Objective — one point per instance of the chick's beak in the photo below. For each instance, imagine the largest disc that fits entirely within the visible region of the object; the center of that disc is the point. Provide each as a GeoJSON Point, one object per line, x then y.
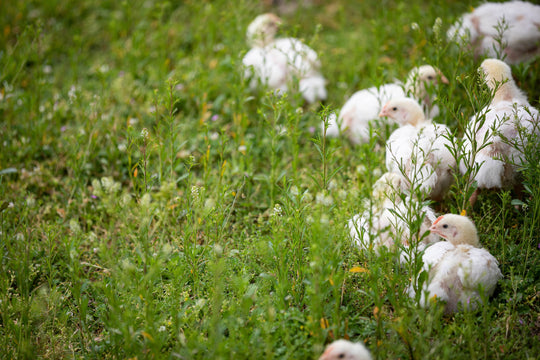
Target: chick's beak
{"type": "Point", "coordinates": [384, 111]}
{"type": "Point", "coordinates": [434, 229]}
{"type": "Point", "coordinates": [444, 80]}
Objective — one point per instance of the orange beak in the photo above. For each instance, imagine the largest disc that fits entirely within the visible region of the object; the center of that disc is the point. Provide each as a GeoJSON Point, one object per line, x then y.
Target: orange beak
{"type": "Point", "coordinates": [384, 111]}
{"type": "Point", "coordinates": [444, 80]}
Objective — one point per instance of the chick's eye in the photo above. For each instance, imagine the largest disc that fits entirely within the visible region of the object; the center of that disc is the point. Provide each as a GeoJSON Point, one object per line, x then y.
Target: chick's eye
{"type": "Point", "coordinates": [394, 108]}
{"type": "Point", "coordinates": [430, 77]}
{"type": "Point", "coordinates": [341, 356]}
{"type": "Point", "coordinates": [445, 226]}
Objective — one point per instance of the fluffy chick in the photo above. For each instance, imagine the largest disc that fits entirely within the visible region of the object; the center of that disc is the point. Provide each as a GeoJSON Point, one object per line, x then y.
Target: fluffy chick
{"type": "Point", "coordinates": [345, 350]}
{"type": "Point", "coordinates": [481, 28]}
{"type": "Point", "coordinates": [501, 150]}
{"type": "Point", "coordinates": [277, 63]}
{"type": "Point", "coordinates": [460, 273]}
{"type": "Point", "coordinates": [363, 107]}
{"type": "Point", "coordinates": [419, 149]}
{"type": "Point", "coordinates": [383, 221]}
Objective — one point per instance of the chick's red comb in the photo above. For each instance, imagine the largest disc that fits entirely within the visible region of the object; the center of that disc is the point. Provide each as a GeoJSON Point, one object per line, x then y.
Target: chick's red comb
{"type": "Point", "coordinates": [438, 219]}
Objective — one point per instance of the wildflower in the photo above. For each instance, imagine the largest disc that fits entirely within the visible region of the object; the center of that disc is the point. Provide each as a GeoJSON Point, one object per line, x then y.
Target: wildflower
{"type": "Point", "coordinates": [299, 111]}
{"type": "Point", "coordinates": [324, 199]}
{"type": "Point", "coordinates": [74, 226]}
{"type": "Point", "coordinates": [360, 169]}
{"type": "Point", "coordinates": [179, 87]}
{"type": "Point", "coordinates": [47, 69]}
{"type": "Point", "coordinates": [332, 185]}
{"type": "Point", "coordinates": [277, 210]}
{"type": "Point", "coordinates": [242, 149]}
{"type": "Point", "coordinates": [415, 26]}
{"type": "Point", "coordinates": [162, 328]}
{"type": "Point", "coordinates": [195, 193]}
{"type": "Point", "coordinates": [311, 130]}
{"type": "Point", "coordinates": [215, 117]}
{"type": "Point", "coordinates": [377, 172]}
{"type": "Point", "coordinates": [437, 26]}
{"type": "Point", "coordinates": [63, 128]}
{"type": "Point", "coordinates": [72, 94]}
{"type": "Point", "coordinates": [152, 109]}
{"type": "Point", "coordinates": [144, 134]}
{"type": "Point", "coordinates": [209, 204]}
{"type": "Point", "coordinates": [218, 249]}
{"type": "Point", "coordinates": [104, 69]}
{"type": "Point", "coordinates": [122, 147]}
{"type": "Point", "coordinates": [214, 136]}
{"type": "Point", "coordinates": [294, 190]}
{"type": "Point", "coordinates": [132, 121]}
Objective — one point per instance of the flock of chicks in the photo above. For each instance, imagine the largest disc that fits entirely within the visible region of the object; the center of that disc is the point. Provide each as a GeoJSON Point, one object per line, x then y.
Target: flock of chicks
{"type": "Point", "coordinates": [418, 155]}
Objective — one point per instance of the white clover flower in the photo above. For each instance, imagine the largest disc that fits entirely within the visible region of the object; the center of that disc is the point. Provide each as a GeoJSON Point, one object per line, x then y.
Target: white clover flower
{"type": "Point", "coordinates": [214, 136]}
{"type": "Point", "coordinates": [122, 147]}
{"type": "Point", "coordinates": [162, 328]}
{"type": "Point", "coordinates": [104, 69]}
{"type": "Point", "coordinates": [242, 149]}
{"type": "Point", "coordinates": [299, 111]}
{"type": "Point", "coordinates": [415, 26]}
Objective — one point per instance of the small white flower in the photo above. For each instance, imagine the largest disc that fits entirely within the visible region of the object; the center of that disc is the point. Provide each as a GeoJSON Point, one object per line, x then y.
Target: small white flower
{"type": "Point", "coordinates": [294, 190]}
{"type": "Point", "coordinates": [72, 93]}
{"type": "Point", "coordinates": [152, 109]}
{"type": "Point", "coordinates": [144, 133]}
{"type": "Point", "coordinates": [132, 121]}
{"type": "Point", "coordinates": [122, 147]}
{"type": "Point", "coordinates": [332, 185]}
{"type": "Point", "coordinates": [360, 169]}
{"type": "Point", "coordinates": [299, 111]}
{"type": "Point", "coordinates": [214, 136]}
{"type": "Point", "coordinates": [377, 172]}
{"type": "Point", "coordinates": [47, 69]}
{"type": "Point", "coordinates": [324, 199]}
{"type": "Point", "coordinates": [242, 149]}
{"type": "Point", "coordinates": [277, 211]}
{"type": "Point", "coordinates": [104, 68]}
{"type": "Point", "coordinates": [415, 26]}
{"type": "Point", "coordinates": [162, 328]}
{"type": "Point", "coordinates": [195, 193]}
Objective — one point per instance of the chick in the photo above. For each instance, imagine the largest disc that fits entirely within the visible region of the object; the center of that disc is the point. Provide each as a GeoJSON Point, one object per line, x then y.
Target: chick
{"type": "Point", "coordinates": [277, 63]}
{"type": "Point", "coordinates": [363, 107]}
{"type": "Point", "coordinates": [500, 151]}
{"type": "Point", "coordinates": [460, 272]}
{"type": "Point", "coordinates": [345, 350]}
{"type": "Point", "coordinates": [419, 149]}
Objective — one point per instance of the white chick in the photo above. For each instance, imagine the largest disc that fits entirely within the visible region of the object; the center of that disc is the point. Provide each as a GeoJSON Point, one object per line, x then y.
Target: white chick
{"type": "Point", "coordinates": [277, 63]}
{"type": "Point", "coordinates": [383, 222]}
{"type": "Point", "coordinates": [520, 37]}
{"type": "Point", "coordinates": [364, 106]}
{"type": "Point", "coordinates": [460, 272]}
{"type": "Point", "coordinates": [345, 350]}
{"type": "Point", "coordinates": [419, 149]}
{"type": "Point", "coordinates": [508, 112]}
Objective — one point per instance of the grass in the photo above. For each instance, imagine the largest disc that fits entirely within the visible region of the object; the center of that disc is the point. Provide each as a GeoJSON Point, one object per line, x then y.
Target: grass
{"type": "Point", "coordinates": [153, 207]}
